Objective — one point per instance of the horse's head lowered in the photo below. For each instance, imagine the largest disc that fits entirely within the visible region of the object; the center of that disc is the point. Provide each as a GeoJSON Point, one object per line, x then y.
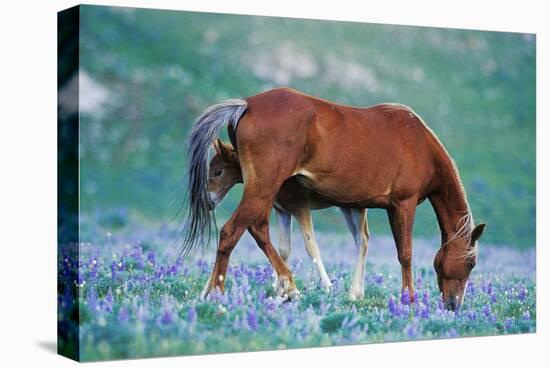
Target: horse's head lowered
{"type": "Point", "coordinates": [223, 173]}
{"type": "Point", "coordinates": [454, 262]}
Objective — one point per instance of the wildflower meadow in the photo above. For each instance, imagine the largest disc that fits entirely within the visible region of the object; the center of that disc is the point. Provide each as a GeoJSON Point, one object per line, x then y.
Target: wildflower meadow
{"type": "Point", "coordinates": [144, 75]}
{"type": "Point", "coordinates": [137, 300]}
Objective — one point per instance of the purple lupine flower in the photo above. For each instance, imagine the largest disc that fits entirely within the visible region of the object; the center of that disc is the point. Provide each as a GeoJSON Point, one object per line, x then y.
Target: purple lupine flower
{"type": "Point", "coordinates": [453, 333]}
{"type": "Point", "coordinates": [173, 270]}
{"type": "Point", "coordinates": [426, 298]}
{"type": "Point", "coordinates": [203, 266]}
{"type": "Point", "coordinates": [393, 307]}
{"type": "Point", "coordinates": [378, 279]}
{"type": "Point", "coordinates": [192, 315]}
{"type": "Point", "coordinates": [405, 297]}
{"type": "Point", "coordinates": [93, 264]}
{"type": "Point", "coordinates": [522, 294]}
{"type": "Point", "coordinates": [419, 280]}
{"type": "Point", "coordinates": [142, 312]}
{"type": "Point", "coordinates": [261, 294]}
{"type": "Point", "coordinates": [81, 280]}
{"type": "Point", "coordinates": [252, 319]}
{"type": "Point", "coordinates": [471, 315]}
{"type": "Point", "coordinates": [270, 305]}
{"type": "Point", "coordinates": [237, 323]}
{"type": "Point", "coordinates": [67, 300]}
{"type": "Point", "coordinates": [236, 297]}
{"type": "Point", "coordinates": [151, 257]}
{"type": "Point", "coordinates": [526, 316]}
{"type": "Point", "coordinates": [123, 314]}
{"type": "Point", "coordinates": [412, 330]}
{"type": "Point", "coordinates": [114, 269]}
{"type": "Point", "coordinates": [159, 274]}
{"type": "Point", "coordinates": [91, 300]}
{"type": "Point", "coordinates": [425, 313]}
{"type": "Point", "coordinates": [508, 323]}
{"type": "Point", "coordinates": [349, 322]}
{"type": "Point", "coordinates": [262, 274]}
{"type": "Point", "coordinates": [489, 288]}
{"type": "Point", "coordinates": [486, 310]}
{"type": "Point", "coordinates": [136, 253]}
{"type": "Point", "coordinates": [470, 288]}
{"type": "Point", "coordinates": [108, 301]}
{"type": "Point", "coordinates": [167, 317]}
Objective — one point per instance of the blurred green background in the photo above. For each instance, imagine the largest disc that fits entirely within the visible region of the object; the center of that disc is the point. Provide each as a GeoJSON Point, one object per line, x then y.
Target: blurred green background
{"type": "Point", "coordinates": [147, 74]}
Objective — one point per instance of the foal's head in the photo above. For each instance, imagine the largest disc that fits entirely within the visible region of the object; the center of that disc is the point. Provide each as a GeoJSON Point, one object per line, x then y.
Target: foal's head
{"type": "Point", "coordinates": [223, 173]}
{"type": "Point", "coordinates": [454, 262]}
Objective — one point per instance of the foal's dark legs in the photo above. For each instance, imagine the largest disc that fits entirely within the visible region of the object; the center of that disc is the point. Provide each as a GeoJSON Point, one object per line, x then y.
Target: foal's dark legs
{"type": "Point", "coordinates": [401, 221]}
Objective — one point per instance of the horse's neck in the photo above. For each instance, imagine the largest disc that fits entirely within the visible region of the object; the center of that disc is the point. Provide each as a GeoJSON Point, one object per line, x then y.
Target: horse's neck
{"type": "Point", "coordinates": [450, 203]}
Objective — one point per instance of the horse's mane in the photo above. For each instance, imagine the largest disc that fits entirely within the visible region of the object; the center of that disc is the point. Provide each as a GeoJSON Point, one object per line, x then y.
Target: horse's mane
{"type": "Point", "coordinates": [465, 225]}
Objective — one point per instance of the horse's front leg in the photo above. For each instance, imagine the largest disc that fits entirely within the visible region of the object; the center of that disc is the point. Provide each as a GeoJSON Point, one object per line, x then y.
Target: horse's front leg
{"type": "Point", "coordinates": [401, 221]}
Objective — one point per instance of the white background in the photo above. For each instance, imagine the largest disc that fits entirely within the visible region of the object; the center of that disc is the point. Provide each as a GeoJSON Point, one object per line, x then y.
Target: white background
{"type": "Point", "coordinates": [28, 182]}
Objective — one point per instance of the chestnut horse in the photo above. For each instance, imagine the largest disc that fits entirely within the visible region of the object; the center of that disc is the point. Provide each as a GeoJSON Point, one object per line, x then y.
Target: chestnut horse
{"type": "Point", "coordinates": [383, 156]}
{"type": "Point", "coordinates": [292, 200]}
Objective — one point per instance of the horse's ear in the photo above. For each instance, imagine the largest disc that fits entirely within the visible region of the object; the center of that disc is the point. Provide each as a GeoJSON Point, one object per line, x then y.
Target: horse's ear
{"type": "Point", "coordinates": [218, 146]}
{"type": "Point", "coordinates": [222, 149]}
{"type": "Point", "coordinates": [477, 232]}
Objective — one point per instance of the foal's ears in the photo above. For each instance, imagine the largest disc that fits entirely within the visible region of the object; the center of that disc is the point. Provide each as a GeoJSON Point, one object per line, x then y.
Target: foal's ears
{"type": "Point", "coordinates": [477, 232]}
{"type": "Point", "coordinates": [222, 149]}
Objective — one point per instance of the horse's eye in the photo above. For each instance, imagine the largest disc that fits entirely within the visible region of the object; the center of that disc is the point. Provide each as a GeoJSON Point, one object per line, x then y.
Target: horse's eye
{"type": "Point", "coordinates": [218, 173]}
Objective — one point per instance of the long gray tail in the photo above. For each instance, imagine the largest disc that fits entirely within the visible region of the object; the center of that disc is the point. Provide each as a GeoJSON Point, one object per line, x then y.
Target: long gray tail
{"type": "Point", "coordinates": [205, 129]}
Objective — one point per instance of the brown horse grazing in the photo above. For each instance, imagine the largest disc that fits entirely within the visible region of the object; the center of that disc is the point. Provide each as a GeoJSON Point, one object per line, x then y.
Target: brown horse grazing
{"type": "Point", "coordinates": [384, 156]}
{"type": "Point", "coordinates": [292, 200]}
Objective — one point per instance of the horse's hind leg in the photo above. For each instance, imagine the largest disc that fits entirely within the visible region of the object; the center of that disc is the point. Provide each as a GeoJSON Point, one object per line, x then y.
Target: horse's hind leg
{"type": "Point", "coordinates": [303, 216]}
{"type": "Point", "coordinates": [252, 214]}
{"type": "Point", "coordinates": [356, 220]}
{"type": "Point", "coordinates": [260, 231]}
{"type": "Point", "coordinates": [230, 234]}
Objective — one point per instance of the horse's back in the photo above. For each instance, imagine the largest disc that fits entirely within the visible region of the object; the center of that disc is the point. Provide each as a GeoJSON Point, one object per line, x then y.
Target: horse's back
{"type": "Point", "coordinates": [367, 155]}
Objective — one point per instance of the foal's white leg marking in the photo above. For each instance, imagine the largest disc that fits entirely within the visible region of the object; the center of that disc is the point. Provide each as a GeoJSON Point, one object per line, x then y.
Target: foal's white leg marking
{"type": "Point", "coordinates": [357, 224]}
{"type": "Point", "coordinates": [306, 227]}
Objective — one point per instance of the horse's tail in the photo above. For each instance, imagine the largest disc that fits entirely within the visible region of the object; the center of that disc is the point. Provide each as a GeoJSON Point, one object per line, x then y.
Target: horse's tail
{"type": "Point", "coordinates": [205, 129]}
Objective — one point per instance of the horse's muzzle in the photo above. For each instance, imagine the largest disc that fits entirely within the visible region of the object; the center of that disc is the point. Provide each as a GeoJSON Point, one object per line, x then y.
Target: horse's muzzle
{"type": "Point", "coordinates": [213, 201]}
{"type": "Point", "coordinates": [453, 305]}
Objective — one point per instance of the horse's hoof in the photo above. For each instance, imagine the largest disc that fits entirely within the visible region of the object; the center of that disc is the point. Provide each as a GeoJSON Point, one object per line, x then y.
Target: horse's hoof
{"type": "Point", "coordinates": [204, 295]}
{"type": "Point", "coordinates": [327, 286]}
{"type": "Point", "coordinates": [293, 295]}
{"type": "Point", "coordinates": [355, 295]}
{"type": "Point", "coordinates": [286, 289]}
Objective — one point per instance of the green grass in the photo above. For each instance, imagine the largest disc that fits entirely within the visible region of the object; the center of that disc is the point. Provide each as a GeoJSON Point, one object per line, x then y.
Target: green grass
{"type": "Point", "coordinates": [162, 68]}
